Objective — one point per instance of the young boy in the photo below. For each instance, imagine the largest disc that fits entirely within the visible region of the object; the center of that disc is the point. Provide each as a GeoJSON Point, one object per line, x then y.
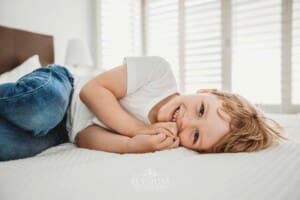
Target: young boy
{"type": "Point", "coordinates": [133, 108]}
{"type": "Point", "coordinates": [140, 101]}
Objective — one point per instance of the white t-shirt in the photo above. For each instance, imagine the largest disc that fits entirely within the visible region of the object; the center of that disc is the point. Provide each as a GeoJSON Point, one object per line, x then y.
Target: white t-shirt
{"type": "Point", "coordinates": [149, 80]}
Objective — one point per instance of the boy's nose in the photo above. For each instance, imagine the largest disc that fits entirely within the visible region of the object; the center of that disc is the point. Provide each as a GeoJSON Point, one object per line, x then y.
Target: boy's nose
{"type": "Point", "coordinates": [185, 121]}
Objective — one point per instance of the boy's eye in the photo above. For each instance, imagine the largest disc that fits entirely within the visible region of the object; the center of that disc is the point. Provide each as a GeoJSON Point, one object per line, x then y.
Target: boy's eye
{"type": "Point", "coordinates": [196, 136]}
{"type": "Point", "coordinates": [201, 111]}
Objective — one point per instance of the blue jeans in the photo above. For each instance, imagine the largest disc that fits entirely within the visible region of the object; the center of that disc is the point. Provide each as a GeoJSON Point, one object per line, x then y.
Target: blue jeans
{"type": "Point", "coordinates": [33, 112]}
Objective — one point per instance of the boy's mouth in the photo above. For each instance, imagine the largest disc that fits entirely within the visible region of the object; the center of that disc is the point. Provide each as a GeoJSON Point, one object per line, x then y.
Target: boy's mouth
{"type": "Point", "coordinates": [174, 115]}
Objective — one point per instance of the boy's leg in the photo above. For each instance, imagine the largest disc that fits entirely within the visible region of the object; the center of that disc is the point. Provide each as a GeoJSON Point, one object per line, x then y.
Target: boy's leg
{"type": "Point", "coordinates": [38, 101]}
{"type": "Point", "coordinates": [16, 143]}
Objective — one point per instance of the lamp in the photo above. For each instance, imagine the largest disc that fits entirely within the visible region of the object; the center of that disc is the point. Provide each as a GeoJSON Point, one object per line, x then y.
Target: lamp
{"type": "Point", "coordinates": [78, 54]}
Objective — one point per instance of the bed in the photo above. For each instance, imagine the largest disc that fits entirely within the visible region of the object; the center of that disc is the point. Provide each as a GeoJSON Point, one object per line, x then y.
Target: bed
{"type": "Point", "coordinates": [68, 172]}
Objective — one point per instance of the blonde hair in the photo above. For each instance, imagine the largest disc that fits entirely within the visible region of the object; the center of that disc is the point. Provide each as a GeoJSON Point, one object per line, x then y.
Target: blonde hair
{"type": "Point", "coordinates": [249, 129]}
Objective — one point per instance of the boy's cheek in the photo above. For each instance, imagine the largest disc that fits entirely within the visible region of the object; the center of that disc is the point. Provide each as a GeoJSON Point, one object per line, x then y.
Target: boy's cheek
{"type": "Point", "coordinates": [182, 140]}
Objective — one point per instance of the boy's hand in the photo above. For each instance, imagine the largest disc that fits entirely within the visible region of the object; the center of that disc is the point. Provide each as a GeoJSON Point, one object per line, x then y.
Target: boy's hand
{"type": "Point", "coordinates": [149, 143]}
{"type": "Point", "coordinates": [168, 128]}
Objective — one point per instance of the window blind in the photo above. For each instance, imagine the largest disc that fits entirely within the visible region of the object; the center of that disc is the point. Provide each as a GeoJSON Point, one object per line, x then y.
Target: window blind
{"type": "Point", "coordinates": [248, 46]}
{"type": "Point", "coordinates": [256, 50]}
{"type": "Point", "coordinates": [202, 45]}
{"type": "Point", "coordinates": [188, 34]}
{"type": "Point", "coordinates": [119, 31]}
{"type": "Point", "coordinates": [161, 31]}
{"type": "Point", "coordinates": [296, 52]}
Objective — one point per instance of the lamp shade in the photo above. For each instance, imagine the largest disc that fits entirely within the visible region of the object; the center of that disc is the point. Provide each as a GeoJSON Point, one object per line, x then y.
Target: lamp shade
{"type": "Point", "coordinates": [78, 54]}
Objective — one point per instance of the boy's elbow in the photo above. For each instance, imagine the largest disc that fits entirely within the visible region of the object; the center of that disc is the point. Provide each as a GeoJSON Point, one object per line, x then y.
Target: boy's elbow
{"type": "Point", "coordinates": [86, 92]}
{"type": "Point", "coordinates": [82, 93]}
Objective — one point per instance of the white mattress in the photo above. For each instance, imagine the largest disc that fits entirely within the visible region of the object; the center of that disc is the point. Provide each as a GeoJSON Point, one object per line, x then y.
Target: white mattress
{"type": "Point", "coordinates": [67, 172]}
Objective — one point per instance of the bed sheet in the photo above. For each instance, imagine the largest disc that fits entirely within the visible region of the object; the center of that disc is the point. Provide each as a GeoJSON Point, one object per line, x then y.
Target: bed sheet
{"type": "Point", "coordinates": [68, 172]}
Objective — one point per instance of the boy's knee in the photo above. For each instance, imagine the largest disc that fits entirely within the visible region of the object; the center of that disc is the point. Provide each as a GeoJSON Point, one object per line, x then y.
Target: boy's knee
{"type": "Point", "coordinates": [51, 104]}
{"type": "Point", "coordinates": [50, 114]}
{"type": "Point", "coordinates": [61, 73]}
{"type": "Point", "coordinates": [41, 104]}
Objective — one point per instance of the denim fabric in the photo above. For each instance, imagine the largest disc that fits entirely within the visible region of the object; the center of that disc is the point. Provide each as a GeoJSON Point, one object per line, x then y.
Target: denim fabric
{"type": "Point", "coordinates": [33, 112]}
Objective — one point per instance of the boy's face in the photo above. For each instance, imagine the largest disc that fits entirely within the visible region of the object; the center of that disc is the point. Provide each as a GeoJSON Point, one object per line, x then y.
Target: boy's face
{"type": "Point", "coordinates": [198, 122]}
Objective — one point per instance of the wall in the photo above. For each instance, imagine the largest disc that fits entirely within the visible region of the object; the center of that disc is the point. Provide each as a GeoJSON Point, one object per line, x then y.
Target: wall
{"type": "Point", "coordinates": [64, 19]}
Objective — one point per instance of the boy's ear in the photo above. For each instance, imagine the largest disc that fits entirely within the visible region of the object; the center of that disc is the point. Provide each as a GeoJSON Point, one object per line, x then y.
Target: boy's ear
{"type": "Point", "coordinates": [206, 90]}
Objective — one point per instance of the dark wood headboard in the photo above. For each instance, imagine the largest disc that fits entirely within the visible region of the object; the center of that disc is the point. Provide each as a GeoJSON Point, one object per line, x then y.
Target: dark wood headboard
{"type": "Point", "coordinates": [18, 45]}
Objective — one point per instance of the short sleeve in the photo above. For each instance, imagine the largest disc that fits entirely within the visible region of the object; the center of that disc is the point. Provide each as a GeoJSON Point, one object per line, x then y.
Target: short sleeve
{"type": "Point", "coordinates": [144, 70]}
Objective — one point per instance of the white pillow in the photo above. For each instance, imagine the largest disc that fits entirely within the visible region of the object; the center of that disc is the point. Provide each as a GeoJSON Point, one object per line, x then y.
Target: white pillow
{"type": "Point", "coordinates": [26, 67]}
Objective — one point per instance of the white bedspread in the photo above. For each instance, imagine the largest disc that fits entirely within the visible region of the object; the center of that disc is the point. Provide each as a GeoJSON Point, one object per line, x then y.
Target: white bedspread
{"type": "Point", "coordinates": [67, 172]}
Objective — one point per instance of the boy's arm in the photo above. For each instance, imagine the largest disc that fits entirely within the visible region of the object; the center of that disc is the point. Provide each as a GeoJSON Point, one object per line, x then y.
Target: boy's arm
{"type": "Point", "coordinates": [101, 95]}
{"type": "Point", "coordinates": [98, 138]}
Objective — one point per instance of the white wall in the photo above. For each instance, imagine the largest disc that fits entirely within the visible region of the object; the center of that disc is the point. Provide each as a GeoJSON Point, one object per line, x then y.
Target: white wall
{"type": "Point", "coordinates": [64, 19]}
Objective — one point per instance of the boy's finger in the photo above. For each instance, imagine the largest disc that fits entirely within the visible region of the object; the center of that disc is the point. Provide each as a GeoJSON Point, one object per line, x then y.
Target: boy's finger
{"type": "Point", "coordinates": [175, 144]}
{"type": "Point", "coordinates": [169, 134]}
{"type": "Point", "coordinates": [166, 143]}
{"type": "Point", "coordinates": [164, 131]}
{"type": "Point", "coordinates": [172, 126]}
{"type": "Point", "coordinates": [160, 137]}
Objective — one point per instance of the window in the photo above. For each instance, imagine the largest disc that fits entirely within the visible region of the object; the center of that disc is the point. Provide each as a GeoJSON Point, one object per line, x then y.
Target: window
{"type": "Point", "coordinates": [162, 31]}
{"type": "Point", "coordinates": [256, 50]}
{"type": "Point", "coordinates": [247, 46]}
{"type": "Point", "coordinates": [296, 52]}
{"type": "Point", "coordinates": [118, 31]}
{"type": "Point", "coordinates": [202, 45]}
{"type": "Point", "coordinates": [188, 35]}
